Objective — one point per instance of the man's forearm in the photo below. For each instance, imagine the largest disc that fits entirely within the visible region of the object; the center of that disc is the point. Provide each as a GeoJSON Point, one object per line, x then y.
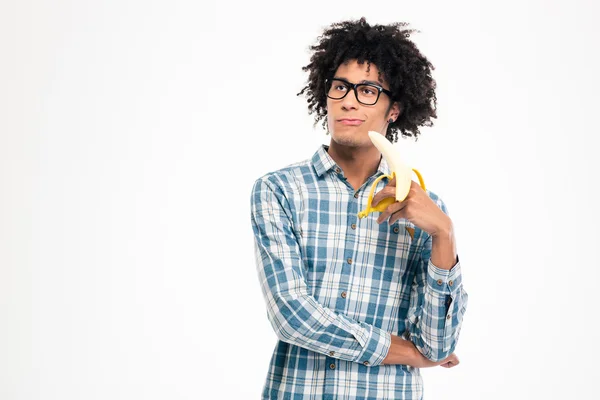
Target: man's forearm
{"type": "Point", "coordinates": [443, 247]}
{"type": "Point", "coordinates": [404, 352]}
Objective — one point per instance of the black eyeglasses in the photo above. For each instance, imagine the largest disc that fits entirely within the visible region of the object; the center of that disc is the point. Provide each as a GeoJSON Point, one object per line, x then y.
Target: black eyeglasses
{"type": "Point", "coordinates": [366, 93]}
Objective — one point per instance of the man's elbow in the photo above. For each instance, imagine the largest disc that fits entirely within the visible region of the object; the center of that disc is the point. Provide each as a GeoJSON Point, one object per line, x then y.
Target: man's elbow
{"type": "Point", "coordinates": [287, 333]}
{"type": "Point", "coordinates": [437, 354]}
{"type": "Point", "coordinates": [287, 324]}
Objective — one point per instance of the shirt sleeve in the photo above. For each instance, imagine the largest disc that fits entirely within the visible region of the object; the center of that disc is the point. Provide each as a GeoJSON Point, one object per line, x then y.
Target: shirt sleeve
{"type": "Point", "coordinates": [293, 312]}
{"type": "Point", "coordinates": [437, 305]}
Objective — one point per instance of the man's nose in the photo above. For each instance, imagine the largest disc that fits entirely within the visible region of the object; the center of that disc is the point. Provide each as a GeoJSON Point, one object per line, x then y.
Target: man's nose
{"type": "Point", "coordinates": [350, 101]}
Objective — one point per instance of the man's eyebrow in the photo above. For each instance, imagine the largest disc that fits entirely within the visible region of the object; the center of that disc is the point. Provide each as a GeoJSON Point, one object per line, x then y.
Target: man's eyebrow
{"type": "Point", "coordinates": [363, 81]}
{"type": "Point", "coordinates": [372, 82]}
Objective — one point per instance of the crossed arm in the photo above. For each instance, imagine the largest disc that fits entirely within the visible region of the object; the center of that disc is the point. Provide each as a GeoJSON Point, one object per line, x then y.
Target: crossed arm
{"type": "Point", "coordinates": [297, 318]}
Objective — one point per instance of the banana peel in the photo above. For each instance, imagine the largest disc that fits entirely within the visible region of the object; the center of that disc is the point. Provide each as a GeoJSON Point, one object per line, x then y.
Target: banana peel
{"type": "Point", "coordinates": [399, 170]}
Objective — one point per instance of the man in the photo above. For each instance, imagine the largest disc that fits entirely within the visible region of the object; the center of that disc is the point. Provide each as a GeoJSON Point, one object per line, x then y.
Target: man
{"type": "Point", "coordinates": [358, 306]}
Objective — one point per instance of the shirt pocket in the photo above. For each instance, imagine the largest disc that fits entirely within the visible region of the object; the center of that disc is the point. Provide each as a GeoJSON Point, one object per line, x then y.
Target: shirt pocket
{"type": "Point", "coordinates": [388, 248]}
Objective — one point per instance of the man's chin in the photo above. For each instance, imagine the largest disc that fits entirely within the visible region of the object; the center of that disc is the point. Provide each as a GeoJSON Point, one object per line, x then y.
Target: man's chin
{"type": "Point", "coordinates": [351, 139]}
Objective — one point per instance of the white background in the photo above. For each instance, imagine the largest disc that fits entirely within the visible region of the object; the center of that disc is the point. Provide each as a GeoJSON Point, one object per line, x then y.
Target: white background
{"type": "Point", "coordinates": [131, 133]}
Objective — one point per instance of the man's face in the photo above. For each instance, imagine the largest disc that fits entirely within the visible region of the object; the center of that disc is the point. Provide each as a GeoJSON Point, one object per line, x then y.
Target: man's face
{"type": "Point", "coordinates": [348, 120]}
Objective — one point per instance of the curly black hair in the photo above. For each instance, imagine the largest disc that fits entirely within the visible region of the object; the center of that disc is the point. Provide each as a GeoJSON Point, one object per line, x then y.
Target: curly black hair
{"type": "Point", "coordinates": [402, 65]}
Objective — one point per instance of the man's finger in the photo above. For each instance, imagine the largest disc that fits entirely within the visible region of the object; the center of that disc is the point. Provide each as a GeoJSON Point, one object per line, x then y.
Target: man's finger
{"type": "Point", "coordinates": [449, 364]}
{"type": "Point", "coordinates": [392, 208]}
{"type": "Point", "coordinates": [399, 213]}
{"type": "Point", "coordinates": [389, 190]}
{"type": "Point", "coordinates": [382, 194]}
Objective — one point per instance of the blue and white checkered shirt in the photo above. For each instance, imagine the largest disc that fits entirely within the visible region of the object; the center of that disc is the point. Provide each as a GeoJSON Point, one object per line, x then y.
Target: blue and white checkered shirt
{"type": "Point", "coordinates": [336, 287]}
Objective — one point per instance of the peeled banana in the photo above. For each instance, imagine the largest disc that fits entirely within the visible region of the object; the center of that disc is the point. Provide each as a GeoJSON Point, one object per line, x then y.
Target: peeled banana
{"type": "Point", "coordinates": [400, 171]}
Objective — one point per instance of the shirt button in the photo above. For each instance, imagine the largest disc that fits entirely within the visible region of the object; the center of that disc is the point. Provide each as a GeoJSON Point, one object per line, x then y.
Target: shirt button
{"type": "Point", "coordinates": [353, 226]}
{"type": "Point", "coordinates": [356, 195]}
{"type": "Point", "coordinates": [331, 353]}
{"type": "Point", "coordinates": [450, 283]}
{"type": "Point", "coordinates": [396, 230]}
{"type": "Point", "coordinates": [332, 366]}
{"type": "Point", "coordinates": [366, 363]}
{"type": "Point", "coordinates": [343, 295]}
{"type": "Point", "coordinates": [448, 317]}
{"type": "Point", "coordinates": [349, 261]}
{"type": "Point", "coordinates": [337, 170]}
{"type": "Point", "coordinates": [439, 282]}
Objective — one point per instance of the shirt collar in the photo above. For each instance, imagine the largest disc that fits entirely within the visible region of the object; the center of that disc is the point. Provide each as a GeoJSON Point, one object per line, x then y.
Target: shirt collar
{"type": "Point", "coordinates": [322, 162]}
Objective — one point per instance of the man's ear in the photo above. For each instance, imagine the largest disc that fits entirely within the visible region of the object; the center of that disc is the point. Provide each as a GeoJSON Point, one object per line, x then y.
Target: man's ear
{"type": "Point", "coordinates": [396, 110]}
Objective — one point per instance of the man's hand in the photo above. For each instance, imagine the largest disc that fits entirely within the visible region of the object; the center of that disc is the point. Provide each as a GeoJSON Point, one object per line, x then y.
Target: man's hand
{"type": "Point", "coordinates": [450, 361]}
{"type": "Point", "coordinates": [417, 208]}
{"type": "Point", "coordinates": [405, 352]}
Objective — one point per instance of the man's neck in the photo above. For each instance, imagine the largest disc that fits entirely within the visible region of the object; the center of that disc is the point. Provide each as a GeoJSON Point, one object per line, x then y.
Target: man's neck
{"type": "Point", "coordinates": [358, 163]}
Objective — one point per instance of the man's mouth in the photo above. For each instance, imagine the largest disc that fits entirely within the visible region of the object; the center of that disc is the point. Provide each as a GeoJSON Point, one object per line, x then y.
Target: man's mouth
{"type": "Point", "coordinates": [350, 121]}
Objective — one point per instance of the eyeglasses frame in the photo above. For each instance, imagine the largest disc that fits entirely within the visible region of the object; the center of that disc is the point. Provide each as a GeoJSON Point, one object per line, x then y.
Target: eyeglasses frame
{"type": "Point", "coordinates": [354, 87]}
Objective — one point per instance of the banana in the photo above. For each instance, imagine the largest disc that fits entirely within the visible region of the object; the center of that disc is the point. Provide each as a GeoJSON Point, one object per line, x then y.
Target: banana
{"type": "Point", "coordinates": [400, 171]}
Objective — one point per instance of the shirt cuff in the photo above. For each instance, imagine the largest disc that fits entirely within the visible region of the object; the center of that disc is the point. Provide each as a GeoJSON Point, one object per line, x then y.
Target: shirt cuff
{"type": "Point", "coordinates": [444, 281]}
{"type": "Point", "coordinates": [375, 348]}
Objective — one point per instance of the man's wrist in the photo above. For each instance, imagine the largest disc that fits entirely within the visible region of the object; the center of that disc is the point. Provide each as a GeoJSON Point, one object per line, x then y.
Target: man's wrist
{"type": "Point", "coordinates": [444, 231]}
{"type": "Point", "coordinates": [443, 248]}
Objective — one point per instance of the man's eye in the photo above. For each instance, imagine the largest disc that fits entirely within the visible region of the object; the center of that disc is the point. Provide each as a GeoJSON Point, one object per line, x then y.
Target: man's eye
{"type": "Point", "coordinates": [369, 91]}
{"type": "Point", "coordinates": [341, 88]}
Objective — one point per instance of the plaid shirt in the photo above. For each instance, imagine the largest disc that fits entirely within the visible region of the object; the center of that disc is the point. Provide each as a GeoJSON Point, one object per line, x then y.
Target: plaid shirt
{"type": "Point", "coordinates": [336, 287]}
